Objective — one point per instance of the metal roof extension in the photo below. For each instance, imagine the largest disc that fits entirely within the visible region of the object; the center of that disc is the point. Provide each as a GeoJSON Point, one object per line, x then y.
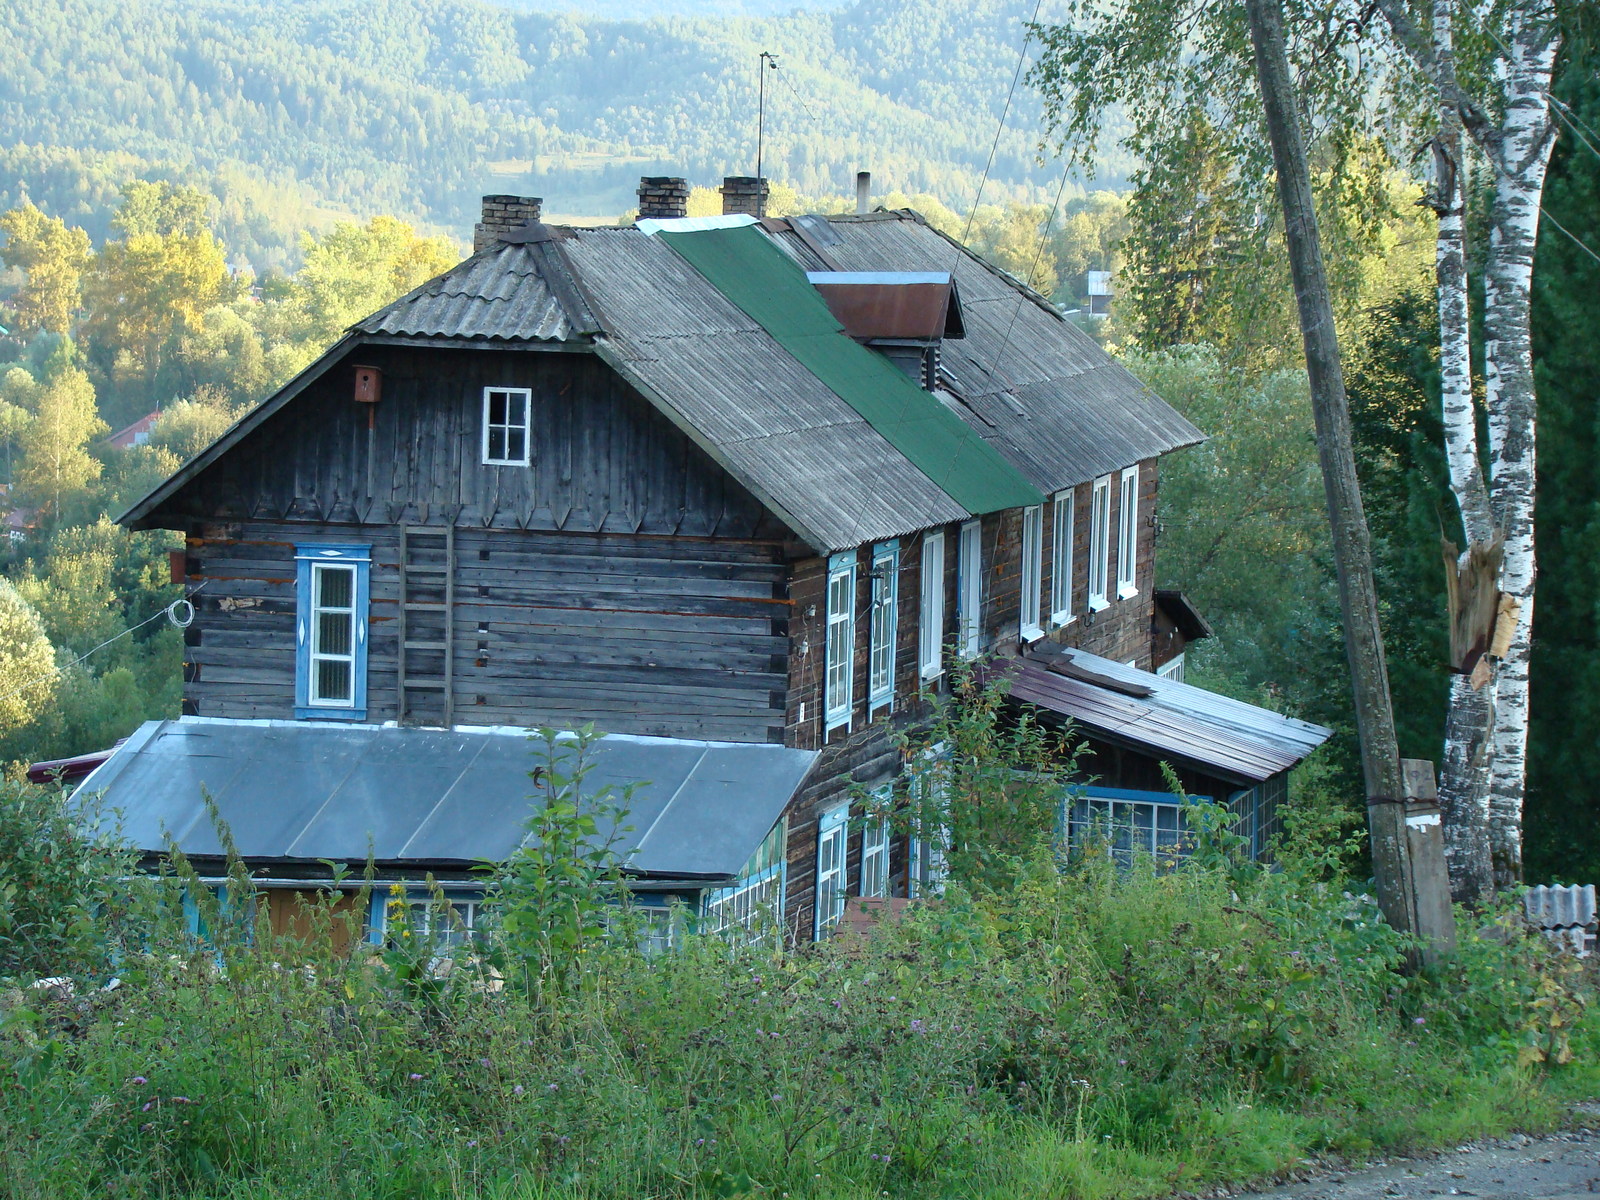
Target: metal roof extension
{"type": "Point", "coordinates": [1227, 738]}
{"type": "Point", "coordinates": [296, 790]}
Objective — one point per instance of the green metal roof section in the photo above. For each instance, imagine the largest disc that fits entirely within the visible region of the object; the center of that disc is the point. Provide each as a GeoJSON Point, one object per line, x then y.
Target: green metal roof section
{"type": "Point", "coordinates": [773, 291]}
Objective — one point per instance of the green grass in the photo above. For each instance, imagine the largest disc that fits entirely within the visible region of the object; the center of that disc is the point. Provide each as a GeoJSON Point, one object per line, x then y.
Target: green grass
{"type": "Point", "coordinates": [1088, 1035]}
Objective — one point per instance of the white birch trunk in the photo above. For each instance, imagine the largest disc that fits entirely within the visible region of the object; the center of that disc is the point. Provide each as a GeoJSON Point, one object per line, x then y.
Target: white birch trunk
{"type": "Point", "coordinates": [1464, 775]}
{"type": "Point", "coordinates": [1520, 155]}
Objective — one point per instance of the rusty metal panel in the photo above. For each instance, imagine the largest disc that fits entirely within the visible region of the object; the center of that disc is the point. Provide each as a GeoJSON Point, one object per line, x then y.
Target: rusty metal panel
{"type": "Point", "coordinates": [917, 306]}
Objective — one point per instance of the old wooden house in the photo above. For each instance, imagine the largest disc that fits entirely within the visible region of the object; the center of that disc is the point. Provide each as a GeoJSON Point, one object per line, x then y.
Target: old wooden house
{"type": "Point", "coordinates": [737, 490]}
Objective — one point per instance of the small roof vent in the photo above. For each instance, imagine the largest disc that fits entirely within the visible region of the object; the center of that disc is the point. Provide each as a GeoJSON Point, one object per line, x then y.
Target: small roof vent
{"type": "Point", "coordinates": [915, 306]}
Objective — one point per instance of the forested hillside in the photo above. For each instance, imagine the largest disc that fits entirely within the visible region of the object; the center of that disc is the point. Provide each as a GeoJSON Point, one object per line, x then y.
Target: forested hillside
{"type": "Point", "coordinates": [296, 112]}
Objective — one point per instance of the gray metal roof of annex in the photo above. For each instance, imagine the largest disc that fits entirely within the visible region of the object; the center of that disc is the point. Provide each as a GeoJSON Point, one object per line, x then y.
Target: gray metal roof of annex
{"type": "Point", "coordinates": [303, 791]}
{"type": "Point", "coordinates": [1176, 720]}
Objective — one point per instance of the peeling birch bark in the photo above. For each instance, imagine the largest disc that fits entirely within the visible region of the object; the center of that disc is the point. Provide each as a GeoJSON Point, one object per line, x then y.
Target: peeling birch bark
{"type": "Point", "coordinates": [1521, 157]}
{"type": "Point", "coordinates": [1464, 772]}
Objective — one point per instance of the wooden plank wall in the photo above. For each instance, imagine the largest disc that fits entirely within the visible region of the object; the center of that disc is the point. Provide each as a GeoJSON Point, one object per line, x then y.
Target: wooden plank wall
{"type": "Point", "coordinates": [603, 459]}
{"type": "Point", "coordinates": [646, 635]}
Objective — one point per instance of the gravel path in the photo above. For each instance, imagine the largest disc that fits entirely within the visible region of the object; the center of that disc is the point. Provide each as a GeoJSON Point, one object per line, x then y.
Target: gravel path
{"type": "Point", "coordinates": [1562, 1166]}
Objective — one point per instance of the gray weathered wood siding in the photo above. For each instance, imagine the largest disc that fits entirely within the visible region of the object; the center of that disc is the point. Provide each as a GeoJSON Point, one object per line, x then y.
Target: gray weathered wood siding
{"type": "Point", "coordinates": [603, 459]}
{"type": "Point", "coordinates": [660, 636]}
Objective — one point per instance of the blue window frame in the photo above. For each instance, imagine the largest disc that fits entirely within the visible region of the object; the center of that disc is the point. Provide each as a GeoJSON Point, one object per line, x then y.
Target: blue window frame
{"type": "Point", "coordinates": [332, 586]}
{"type": "Point", "coordinates": [1128, 823]}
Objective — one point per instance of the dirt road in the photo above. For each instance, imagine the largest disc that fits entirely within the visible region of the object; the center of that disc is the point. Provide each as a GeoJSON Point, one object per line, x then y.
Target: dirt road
{"type": "Point", "coordinates": [1563, 1166]}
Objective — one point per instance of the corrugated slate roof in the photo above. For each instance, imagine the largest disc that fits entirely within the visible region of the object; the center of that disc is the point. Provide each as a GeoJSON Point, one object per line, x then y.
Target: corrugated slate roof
{"type": "Point", "coordinates": [747, 268]}
{"type": "Point", "coordinates": [298, 790]}
{"type": "Point", "coordinates": [496, 295]}
{"type": "Point", "coordinates": [1054, 406]}
{"type": "Point", "coordinates": [781, 431]}
{"type": "Point", "coordinates": [1175, 720]}
{"type": "Point", "coordinates": [1038, 388]}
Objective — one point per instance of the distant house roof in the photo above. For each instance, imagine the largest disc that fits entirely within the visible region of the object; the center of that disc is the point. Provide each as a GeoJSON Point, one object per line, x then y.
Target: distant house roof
{"type": "Point", "coordinates": [136, 434]}
{"type": "Point", "coordinates": [780, 404]}
{"type": "Point", "coordinates": [1162, 717]}
{"type": "Point", "coordinates": [423, 798]}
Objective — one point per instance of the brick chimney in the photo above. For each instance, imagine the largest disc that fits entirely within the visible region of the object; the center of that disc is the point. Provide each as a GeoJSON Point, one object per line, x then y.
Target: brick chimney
{"type": "Point", "coordinates": [744, 194]}
{"type": "Point", "coordinates": [663, 197]}
{"type": "Point", "coordinates": [502, 214]}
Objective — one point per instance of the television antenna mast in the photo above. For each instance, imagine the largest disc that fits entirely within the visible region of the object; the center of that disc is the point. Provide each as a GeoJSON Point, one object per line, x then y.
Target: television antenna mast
{"type": "Point", "coordinates": [767, 60]}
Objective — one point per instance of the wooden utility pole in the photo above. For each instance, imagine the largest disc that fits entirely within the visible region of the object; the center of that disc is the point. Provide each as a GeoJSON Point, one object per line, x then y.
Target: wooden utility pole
{"type": "Point", "coordinates": [1352, 544]}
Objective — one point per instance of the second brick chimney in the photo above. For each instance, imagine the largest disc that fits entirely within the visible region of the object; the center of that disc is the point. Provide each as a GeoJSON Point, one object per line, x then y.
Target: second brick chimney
{"type": "Point", "coordinates": [744, 194]}
{"type": "Point", "coordinates": [662, 197]}
{"type": "Point", "coordinates": [502, 214]}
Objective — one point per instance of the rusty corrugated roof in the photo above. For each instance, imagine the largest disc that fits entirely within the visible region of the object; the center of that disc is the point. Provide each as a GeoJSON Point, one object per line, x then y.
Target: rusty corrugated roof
{"type": "Point", "coordinates": [1225, 737]}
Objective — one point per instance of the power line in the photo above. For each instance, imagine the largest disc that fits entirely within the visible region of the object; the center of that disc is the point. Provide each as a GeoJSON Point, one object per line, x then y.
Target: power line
{"type": "Point", "coordinates": [1044, 236]}
{"type": "Point", "coordinates": [783, 75]}
{"type": "Point", "coordinates": [1005, 111]}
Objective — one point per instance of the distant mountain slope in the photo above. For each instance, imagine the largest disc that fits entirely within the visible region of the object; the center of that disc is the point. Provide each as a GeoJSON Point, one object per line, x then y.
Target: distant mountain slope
{"type": "Point", "coordinates": [418, 106]}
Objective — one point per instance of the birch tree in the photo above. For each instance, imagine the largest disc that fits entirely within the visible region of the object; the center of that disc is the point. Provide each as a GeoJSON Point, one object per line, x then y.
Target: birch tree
{"type": "Point", "coordinates": [1512, 128]}
{"type": "Point", "coordinates": [1391, 70]}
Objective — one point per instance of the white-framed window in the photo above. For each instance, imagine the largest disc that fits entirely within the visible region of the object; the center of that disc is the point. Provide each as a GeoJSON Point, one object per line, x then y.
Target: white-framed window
{"type": "Point", "coordinates": [1172, 669]}
{"type": "Point", "coordinates": [1128, 535]}
{"type": "Point", "coordinates": [930, 633]}
{"type": "Point", "coordinates": [446, 922]}
{"type": "Point", "coordinates": [1032, 571]}
{"type": "Point", "coordinates": [1062, 514]}
{"type": "Point", "coordinates": [506, 413]}
{"type": "Point", "coordinates": [1100, 543]}
{"type": "Point", "coordinates": [969, 588]}
{"type": "Point", "coordinates": [883, 624]}
{"type": "Point", "coordinates": [331, 597]}
{"type": "Point", "coordinates": [1126, 823]}
{"type": "Point", "coordinates": [833, 849]}
{"type": "Point", "coordinates": [752, 907]}
{"type": "Point", "coordinates": [929, 812]}
{"type": "Point", "coordinates": [841, 639]}
{"type": "Point", "coordinates": [875, 846]}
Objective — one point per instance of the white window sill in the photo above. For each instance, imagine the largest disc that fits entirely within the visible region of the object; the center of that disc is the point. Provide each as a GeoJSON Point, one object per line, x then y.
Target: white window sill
{"type": "Point", "coordinates": [1127, 593]}
{"type": "Point", "coordinates": [1062, 619]}
{"type": "Point", "coordinates": [930, 674]}
{"type": "Point", "coordinates": [1031, 633]}
{"type": "Point", "coordinates": [877, 702]}
{"type": "Point", "coordinates": [1098, 603]}
{"type": "Point", "coordinates": [835, 721]}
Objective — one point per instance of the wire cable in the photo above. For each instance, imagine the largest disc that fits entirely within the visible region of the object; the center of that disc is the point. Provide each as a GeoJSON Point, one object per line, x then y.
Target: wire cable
{"type": "Point", "coordinates": [180, 613]}
{"type": "Point", "coordinates": [1005, 111]}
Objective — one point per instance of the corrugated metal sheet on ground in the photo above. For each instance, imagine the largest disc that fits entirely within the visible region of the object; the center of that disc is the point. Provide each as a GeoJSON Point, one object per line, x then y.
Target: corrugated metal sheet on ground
{"type": "Point", "coordinates": [1077, 414]}
{"type": "Point", "coordinates": [1236, 740]}
{"type": "Point", "coordinates": [1560, 907]}
{"type": "Point", "coordinates": [302, 790]}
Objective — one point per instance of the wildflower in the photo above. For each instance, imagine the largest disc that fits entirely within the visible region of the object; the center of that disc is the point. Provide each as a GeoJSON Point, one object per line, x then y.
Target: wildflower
{"type": "Point", "coordinates": [148, 1105]}
{"type": "Point", "coordinates": [485, 1063]}
{"type": "Point", "coordinates": [699, 1141]}
{"type": "Point", "coordinates": [139, 1080]}
{"type": "Point", "coordinates": [776, 1097]}
{"type": "Point", "coordinates": [1419, 1020]}
{"type": "Point", "coordinates": [517, 1091]}
{"type": "Point", "coordinates": [472, 1143]}
{"type": "Point", "coordinates": [182, 1100]}
{"type": "Point", "coordinates": [552, 1087]}
{"type": "Point", "coordinates": [414, 1077]}
{"type": "Point", "coordinates": [917, 1026]}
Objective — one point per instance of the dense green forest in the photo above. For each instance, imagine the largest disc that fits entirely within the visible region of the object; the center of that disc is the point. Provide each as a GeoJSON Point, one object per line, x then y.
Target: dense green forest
{"type": "Point", "coordinates": [297, 112]}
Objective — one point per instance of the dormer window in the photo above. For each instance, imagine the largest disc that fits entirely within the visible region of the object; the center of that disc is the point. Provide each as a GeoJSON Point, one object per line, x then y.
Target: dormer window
{"type": "Point", "coordinates": [903, 315]}
{"type": "Point", "coordinates": [506, 413]}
